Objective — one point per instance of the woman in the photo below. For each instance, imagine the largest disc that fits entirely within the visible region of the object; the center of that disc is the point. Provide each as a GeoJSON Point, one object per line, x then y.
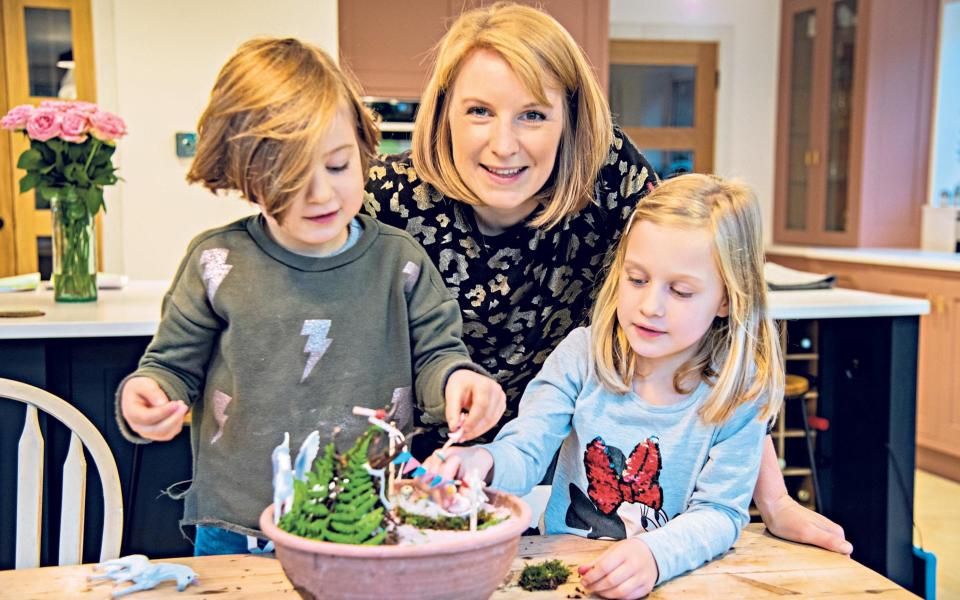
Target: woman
{"type": "Point", "coordinates": [517, 186]}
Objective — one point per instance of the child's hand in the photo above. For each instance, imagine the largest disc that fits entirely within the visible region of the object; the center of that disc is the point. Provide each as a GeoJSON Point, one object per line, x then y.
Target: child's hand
{"type": "Point", "coordinates": [454, 463]}
{"type": "Point", "coordinates": [149, 412]}
{"type": "Point", "coordinates": [787, 519]}
{"type": "Point", "coordinates": [480, 396]}
{"type": "Point", "coordinates": [626, 570]}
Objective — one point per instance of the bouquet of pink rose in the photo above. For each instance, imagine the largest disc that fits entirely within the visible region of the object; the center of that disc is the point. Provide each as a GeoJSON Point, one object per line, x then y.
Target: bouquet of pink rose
{"type": "Point", "coordinates": [71, 146]}
{"type": "Point", "coordinates": [68, 162]}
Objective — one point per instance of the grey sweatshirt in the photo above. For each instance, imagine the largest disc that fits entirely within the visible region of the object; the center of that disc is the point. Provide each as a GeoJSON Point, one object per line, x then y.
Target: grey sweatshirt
{"type": "Point", "coordinates": [261, 341]}
{"type": "Point", "coordinates": [628, 468]}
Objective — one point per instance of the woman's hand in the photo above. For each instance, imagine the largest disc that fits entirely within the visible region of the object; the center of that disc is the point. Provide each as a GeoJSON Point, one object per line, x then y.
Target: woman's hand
{"type": "Point", "coordinates": [626, 569]}
{"type": "Point", "coordinates": [787, 519]}
{"type": "Point", "coordinates": [149, 412]}
{"type": "Point", "coordinates": [480, 396]}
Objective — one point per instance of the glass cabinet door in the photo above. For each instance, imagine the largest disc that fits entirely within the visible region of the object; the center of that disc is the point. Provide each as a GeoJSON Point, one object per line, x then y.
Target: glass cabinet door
{"type": "Point", "coordinates": [842, 47]}
{"type": "Point", "coordinates": [817, 127]}
{"type": "Point", "coordinates": [799, 153]}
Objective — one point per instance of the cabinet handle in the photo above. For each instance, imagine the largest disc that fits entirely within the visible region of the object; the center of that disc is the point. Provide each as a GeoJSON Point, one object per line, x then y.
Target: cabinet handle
{"type": "Point", "coordinates": [938, 303]}
{"type": "Point", "coordinates": [815, 155]}
{"type": "Point", "coordinates": [806, 158]}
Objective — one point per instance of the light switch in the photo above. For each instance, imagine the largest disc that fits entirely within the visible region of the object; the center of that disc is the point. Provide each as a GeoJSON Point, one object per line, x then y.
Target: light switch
{"type": "Point", "coordinates": [186, 144]}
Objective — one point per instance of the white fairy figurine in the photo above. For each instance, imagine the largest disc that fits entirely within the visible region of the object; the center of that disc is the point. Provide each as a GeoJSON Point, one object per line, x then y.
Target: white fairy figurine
{"type": "Point", "coordinates": [282, 479]}
{"type": "Point", "coordinates": [308, 453]}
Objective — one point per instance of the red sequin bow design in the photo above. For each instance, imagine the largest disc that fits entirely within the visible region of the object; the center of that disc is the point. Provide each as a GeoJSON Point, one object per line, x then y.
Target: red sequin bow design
{"type": "Point", "coordinates": [638, 482]}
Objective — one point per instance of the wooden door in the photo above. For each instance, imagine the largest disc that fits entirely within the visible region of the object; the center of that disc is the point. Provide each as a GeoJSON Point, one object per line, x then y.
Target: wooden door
{"type": "Point", "coordinates": [47, 55]}
{"type": "Point", "coordinates": [663, 95]}
{"type": "Point", "coordinates": [8, 263]}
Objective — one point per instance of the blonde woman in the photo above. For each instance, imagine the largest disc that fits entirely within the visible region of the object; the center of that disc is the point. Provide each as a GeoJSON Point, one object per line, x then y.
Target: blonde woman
{"type": "Point", "coordinates": [659, 408]}
{"type": "Point", "coordinates": [517, 187]}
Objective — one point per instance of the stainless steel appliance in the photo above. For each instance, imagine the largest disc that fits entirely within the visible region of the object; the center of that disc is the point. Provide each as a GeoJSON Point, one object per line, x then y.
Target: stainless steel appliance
{"type": "Point", "coordinates": [396, 122]}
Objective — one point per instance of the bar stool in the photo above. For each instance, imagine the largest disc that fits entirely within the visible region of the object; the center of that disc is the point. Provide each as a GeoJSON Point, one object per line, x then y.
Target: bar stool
{"type": "Point", "coordinates": [795, 391]}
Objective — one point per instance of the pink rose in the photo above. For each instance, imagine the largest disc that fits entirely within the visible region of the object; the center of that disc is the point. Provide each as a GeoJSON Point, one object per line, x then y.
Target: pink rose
{"type": "Point", "coordinates": [17, 117]}
{"type": "Point", "coordinates": [73, 126]}
{"type": "Point", "coordinates": [86, 107]}
{"type": "Point", "coordinates": [107, 126]}
{"type": "Point", "coordinates": [60, 105]}
{"type": "Point", "coordinates": [43, 124]}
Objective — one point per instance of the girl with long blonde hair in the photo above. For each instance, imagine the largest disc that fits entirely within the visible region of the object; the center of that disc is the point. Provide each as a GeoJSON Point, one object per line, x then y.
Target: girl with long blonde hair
{"type": "Point", "coordinates": [659, 408]}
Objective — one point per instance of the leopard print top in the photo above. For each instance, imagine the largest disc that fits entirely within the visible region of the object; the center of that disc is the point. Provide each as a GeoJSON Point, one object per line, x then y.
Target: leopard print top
{"type": "Point", "coordinates": [522, 291]}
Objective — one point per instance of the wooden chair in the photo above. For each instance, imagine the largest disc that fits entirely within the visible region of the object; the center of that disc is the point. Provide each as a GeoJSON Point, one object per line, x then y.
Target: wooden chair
{"type": "Point", "coordinates": [30, 480]}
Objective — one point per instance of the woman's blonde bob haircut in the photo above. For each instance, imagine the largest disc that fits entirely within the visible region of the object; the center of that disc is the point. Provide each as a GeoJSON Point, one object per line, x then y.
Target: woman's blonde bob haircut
{"type": "Point", "coordinates": [740, 355]}
{"type": "Point", "coordinates": [269, 109]}
{"type": "Point", "coordinates": [542, 54]}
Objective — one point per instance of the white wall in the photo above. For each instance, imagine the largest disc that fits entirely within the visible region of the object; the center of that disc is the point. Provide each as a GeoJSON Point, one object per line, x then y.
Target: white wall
{"type": "Point", "coordinates": [156, 63]}
{"type": "Point", "coordinates": [945, 154]}
{"type": "Point", "coordinates": [748, 33]}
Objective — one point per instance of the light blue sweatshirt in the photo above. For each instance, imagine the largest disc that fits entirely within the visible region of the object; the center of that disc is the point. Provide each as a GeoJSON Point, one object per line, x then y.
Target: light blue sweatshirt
{"type": "Point", "coordinates": [628, 468]}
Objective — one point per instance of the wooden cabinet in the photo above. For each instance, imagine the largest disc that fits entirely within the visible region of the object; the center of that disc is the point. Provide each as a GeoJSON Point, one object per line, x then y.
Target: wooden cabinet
{"type": "Point", "coordinates": [938, 369]}
{"type": "Point", "coordinates": [388, 45]}
{"type": "Point", "coordinates": [856, 85]}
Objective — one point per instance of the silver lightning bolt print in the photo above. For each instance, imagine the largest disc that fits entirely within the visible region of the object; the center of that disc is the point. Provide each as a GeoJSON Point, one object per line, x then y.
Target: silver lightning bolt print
{"type": "Point", "coordinates": [317, 342]}
{"type": "Point", "coordinates": [220, 402]}
{"type": "Point", "coordinates": [215, 269]}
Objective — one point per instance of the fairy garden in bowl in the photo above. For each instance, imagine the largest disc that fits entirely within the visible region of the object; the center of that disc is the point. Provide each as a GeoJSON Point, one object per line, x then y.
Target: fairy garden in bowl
{"type": "Point", "coordinates": [362, 523]}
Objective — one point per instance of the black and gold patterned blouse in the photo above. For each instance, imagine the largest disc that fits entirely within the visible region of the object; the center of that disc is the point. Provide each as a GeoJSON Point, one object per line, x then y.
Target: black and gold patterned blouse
{"type": "Point", "coordinates": [522, 291]}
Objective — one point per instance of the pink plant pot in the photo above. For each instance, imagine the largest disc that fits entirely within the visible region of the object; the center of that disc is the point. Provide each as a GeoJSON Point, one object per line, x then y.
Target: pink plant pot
{"type": "Point", "coordinates": [470, 566]}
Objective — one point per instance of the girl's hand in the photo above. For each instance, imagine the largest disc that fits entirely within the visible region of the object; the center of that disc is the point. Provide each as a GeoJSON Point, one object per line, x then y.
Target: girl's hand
{"type": "Point", "coordinates": [787, 519]}
{"type": "Point", "coordinates": [480, 396]}
{"type": "Point", "coordinates": [149, 412]}
{"type": "Point", "coordinates": [455, 462]}
{"type": "Point", "coordinates": [626, 570]}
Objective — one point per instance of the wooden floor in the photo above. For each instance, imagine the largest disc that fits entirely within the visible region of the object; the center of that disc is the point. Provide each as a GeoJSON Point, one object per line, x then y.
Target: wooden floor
{"type": "Point", "coordinates": [937, 514]}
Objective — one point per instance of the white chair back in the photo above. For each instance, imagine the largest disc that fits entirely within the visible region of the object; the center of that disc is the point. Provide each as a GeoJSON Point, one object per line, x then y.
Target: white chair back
{"type": "Point", "coordinates": [30, 480]}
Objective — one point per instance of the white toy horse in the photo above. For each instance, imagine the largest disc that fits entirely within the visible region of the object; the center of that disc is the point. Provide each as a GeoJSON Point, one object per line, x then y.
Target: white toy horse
{"type": "Point", "coordinates": [149, 579]}
{"type": "Point", "coordinates": [121, 569]}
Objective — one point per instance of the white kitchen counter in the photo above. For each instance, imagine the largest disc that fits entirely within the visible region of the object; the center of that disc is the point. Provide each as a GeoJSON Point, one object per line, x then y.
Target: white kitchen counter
{"type": "Point", "coordinates": [135, 310]}
{"type": "Point", "coordinates": [132, 311]}
{"type": "Point", "coordinates": [891, 257]}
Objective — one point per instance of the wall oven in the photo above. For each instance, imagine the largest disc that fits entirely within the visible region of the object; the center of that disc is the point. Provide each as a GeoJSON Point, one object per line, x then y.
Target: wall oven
{"type": "Point", "coordinates": [396, 122]}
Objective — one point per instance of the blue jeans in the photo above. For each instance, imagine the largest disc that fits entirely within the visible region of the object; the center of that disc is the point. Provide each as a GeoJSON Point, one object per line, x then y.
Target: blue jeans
{"type": "Point", "coordinates": [215, 540]}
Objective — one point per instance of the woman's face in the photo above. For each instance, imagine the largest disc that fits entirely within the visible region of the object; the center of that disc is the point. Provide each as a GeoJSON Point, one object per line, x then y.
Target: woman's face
{"type": "Point", "coordinates": [504, 141]}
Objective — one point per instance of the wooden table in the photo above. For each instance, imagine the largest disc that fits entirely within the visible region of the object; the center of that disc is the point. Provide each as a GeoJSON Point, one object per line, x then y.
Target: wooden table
{"type": "Point", "coordinates": [866, 384]}
{"type": "Point", "coordinates": [759, 566]}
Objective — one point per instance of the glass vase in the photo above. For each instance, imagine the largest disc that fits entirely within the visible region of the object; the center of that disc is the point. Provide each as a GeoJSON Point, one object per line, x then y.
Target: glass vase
{"type": "Point", "coordinates": [74, 250]}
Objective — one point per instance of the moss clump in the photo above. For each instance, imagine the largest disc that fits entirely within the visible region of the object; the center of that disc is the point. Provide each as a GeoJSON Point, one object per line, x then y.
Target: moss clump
{"type": "Point", "coordinates": [548, 575]}
{"type": "Point", "coordinates": [484, 519]}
